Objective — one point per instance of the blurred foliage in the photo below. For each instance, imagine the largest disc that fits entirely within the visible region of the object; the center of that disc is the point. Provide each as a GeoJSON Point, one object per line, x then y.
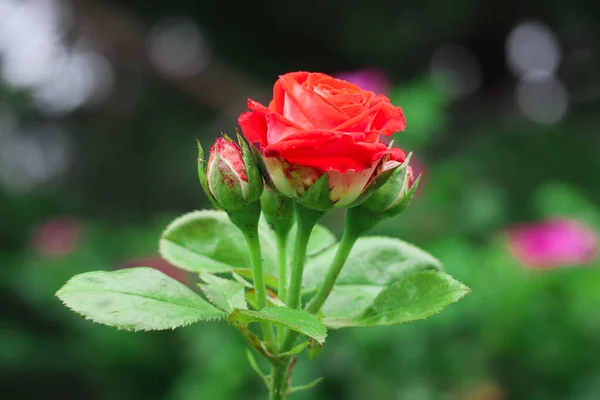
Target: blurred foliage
{"type": "Point", "coordinates": [523, 334]}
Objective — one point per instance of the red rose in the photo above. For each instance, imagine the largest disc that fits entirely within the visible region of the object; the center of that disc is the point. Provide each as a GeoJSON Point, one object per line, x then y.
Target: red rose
{"type": "Point", "coordinates": [317, 124]}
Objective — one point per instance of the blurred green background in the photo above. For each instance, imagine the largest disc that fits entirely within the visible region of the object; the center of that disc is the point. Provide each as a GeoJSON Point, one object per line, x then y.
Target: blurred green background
{"type": "Point", "coordinates": [100, 102]}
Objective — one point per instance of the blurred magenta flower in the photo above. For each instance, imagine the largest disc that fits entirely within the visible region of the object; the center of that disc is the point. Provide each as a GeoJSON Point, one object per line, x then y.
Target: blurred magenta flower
{"type": "Point", "coordinates": [553, 243]}
{"type": "Point", "coordinates": [160, 264]}
{"type": "Point", "coordinates": [57, 236]}
{"type": "Point", "coordinates": [371, 79]}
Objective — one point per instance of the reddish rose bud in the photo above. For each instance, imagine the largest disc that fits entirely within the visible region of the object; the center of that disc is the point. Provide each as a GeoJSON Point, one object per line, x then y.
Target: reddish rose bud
{"type": "Point", "coordinates": [230, 178]}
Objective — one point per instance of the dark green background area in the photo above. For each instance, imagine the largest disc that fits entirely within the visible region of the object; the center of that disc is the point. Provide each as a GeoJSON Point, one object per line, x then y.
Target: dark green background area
{"type": "Point", "coordinates": [522, 334]}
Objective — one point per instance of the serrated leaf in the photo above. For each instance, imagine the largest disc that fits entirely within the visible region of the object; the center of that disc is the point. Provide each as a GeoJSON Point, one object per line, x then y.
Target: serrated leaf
{"type": "Point", "coordinates": [225, 294]}
{"type": "Point", "coordinates": [296, 320]}
{"type": "Point", "coordinates": [207, 241]}
{"type": "Point", "coordinates": [414, 296]}
{"type": "Point", "coordinates": [374, 261]}
{"type": "Point", "coordinates": [135, 299]}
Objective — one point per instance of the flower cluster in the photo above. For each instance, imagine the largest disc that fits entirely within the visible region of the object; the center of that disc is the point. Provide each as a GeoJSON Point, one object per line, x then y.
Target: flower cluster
{"type": "Point", "coordinates": [317, 142]}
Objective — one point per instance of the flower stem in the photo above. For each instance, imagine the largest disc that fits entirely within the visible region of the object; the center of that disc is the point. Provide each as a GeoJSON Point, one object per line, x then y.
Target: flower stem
{"type": "Point", "coordinates": [355, 223]}
{"type": "Point", "coordinates": [306, 220]}
{"type": "Point", "coordinates": [253, 242]}
{"type": "Point", "coordinates": [282, 240]}
{"type": "Point", "coordinates": [278, 389]}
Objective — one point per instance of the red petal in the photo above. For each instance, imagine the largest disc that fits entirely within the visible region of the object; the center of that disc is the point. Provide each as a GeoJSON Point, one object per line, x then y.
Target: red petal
{"type": "Point", "coordinates": [302, 104]}
{"type": "Point", "coordinates": [396, 154]}
{"type": "Point", "coordinates": [361, 122]}
{"type": "Point", "coordinates": [389, 119]}
{"type": "Point", "coordinates": [253, 123]}
{"type": "Point", "coordinates": [329, 150]}
{"type": "Point", "coordinates": [278, 128]}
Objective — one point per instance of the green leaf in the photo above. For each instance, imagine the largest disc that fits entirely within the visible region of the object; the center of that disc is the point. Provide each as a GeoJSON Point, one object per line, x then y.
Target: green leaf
{"type": "Point", "coordinates": [415, 296]}
{"type": "Point", "coordinates": [225, 294]}
{"type": "Point", "coordinates": [373, 263]}
{"type": "Point", "coordinates": [207, 241]}
{"type": "Point", "coordinates": [135, 299]}
{"type": "Point", "coordinates": [296, 320]}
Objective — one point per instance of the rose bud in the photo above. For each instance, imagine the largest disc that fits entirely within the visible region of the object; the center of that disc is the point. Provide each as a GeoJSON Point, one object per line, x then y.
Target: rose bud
{"type": "Point", "coordinates": [319, 139]}
{"type": "Point", "coordinates": [395, 194]}
{"type": "Point", "coordinates": [230, 178]}
{"type": "Point", "coordinates": [387, 201]}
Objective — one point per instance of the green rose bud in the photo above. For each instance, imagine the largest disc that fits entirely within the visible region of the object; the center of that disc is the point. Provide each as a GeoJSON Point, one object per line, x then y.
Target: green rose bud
{"type": "Point", "coordinates": [393, 196]}
{"type": "Point", "coordinates": [230, 178]}
{"type": "Point", "coordinates": [385, 202]}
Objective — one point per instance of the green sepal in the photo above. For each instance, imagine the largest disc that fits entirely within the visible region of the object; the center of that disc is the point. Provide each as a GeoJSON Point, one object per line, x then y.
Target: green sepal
{"type": "Point", "coordinates": [317, 197]}
{"type": "Point", "coordinates": [255, 179]}
{"type": "Point", "coordinates": [202, 175]}
{"type": "Point", "coordinates": [401, 206]}
{"type": "Point", "coordinates": [262, 167]}
{"type": "Point", "coordinates": [362, 218]}
{"type": "Point", "coordinates": [376, 183]}
{"type": "Point", "coordinates": [384, 198]}
{"type": "Point", "coordinates": [230, 197]}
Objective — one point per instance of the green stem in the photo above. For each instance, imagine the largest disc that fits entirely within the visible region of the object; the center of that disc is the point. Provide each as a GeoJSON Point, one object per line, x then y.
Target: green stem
{"type": "Point", "coordinates": [356, 222]}
{"type": "Point", "coordinates": [306, 220]}
{"type": "Point", "coordinates": [279, 381]}
{"type": "Point", "coordinates": [282, 240]}
{"type": "Point", "coordinates": [253, 242]}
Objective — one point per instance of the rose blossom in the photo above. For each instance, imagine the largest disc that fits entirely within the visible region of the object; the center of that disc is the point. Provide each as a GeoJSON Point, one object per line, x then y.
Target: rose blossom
{"type": "Point", "coordinates": [553, 243]}
{"type": "Point", "coordinates": [317, 124]}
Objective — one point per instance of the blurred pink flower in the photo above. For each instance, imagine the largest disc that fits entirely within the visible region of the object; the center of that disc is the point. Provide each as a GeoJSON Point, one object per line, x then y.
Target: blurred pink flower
{"type": "Point", "coordinates": [553, 243]}
{"type": "Point", "coordinates": [160, 264]}
{"type": "Point", "coordinates": [371, 79]}
{"type": "Point", "coordinates": [56, 237]}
